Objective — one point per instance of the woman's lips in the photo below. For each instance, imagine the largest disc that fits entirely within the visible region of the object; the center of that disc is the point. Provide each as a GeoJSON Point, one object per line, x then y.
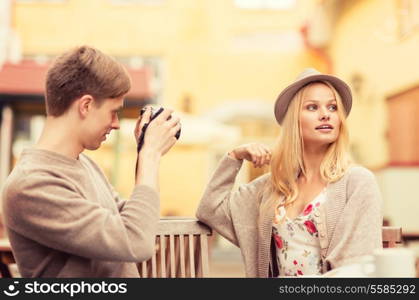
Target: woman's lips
{"type": "Point", "coordinates": [324, 128]}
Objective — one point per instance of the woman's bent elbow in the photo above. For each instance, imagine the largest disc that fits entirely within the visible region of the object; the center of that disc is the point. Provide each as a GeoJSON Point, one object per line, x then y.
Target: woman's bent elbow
{"type": "Point", "coordinates": [202, 216]}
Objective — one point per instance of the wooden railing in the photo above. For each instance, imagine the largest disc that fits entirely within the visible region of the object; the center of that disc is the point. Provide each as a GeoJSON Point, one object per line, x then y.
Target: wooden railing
{"type": "Point", "coordinates": [181, 250]}
{"type": "Point", "coordinates": [391, 236]}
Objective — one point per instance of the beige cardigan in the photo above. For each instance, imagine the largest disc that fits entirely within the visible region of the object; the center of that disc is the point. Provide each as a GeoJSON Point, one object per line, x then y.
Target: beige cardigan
{"type": "Point", "coordinates": [349, 222]}
{"type": "Point", "coordinates": [64, 219]}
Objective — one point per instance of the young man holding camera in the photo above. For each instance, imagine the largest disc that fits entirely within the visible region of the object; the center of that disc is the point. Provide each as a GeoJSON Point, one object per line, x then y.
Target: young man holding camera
{"type": "Point", "coordinates": [62, 216]}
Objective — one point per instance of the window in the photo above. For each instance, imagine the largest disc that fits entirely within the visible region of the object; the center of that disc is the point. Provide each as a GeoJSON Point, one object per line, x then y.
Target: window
{"type": "Point", "coordinates": [265, 4]}
{"type": "Point", "coordinates": [403, 137]}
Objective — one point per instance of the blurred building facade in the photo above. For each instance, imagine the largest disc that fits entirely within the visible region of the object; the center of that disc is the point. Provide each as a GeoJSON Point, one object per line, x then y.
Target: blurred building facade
{"type": "Point", "coordinates": [374, 46]}
{"type": "Point", "coordinates": [221, 64]}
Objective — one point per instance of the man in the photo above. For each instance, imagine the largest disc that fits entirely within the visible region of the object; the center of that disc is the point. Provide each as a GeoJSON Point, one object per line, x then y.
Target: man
{"type": "Point", "coordinates": [62, 216]}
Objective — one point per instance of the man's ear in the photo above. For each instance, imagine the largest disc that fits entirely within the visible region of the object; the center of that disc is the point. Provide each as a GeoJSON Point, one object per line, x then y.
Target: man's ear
{"type": "Point", "coordinates": [85, 104]}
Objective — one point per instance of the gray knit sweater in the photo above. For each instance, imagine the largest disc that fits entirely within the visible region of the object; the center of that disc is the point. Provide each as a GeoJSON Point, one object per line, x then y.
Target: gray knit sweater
{"type": "Point", "coordinates": [63, 219]}
{"type": "Point", "coordinates": [349, 221]}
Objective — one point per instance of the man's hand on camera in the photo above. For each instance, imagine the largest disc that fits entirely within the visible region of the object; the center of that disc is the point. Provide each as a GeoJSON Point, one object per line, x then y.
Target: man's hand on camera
{"type": "Point", "coordinates": [158, 139]}
{"type": "Point", "coordinates": [160, 134]}
{"type": "Point", "coordinates": [141, 121]}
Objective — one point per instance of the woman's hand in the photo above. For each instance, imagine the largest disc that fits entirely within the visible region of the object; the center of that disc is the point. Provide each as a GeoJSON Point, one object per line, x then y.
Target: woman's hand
{"type": "Point", "coordinates": [256, 153]}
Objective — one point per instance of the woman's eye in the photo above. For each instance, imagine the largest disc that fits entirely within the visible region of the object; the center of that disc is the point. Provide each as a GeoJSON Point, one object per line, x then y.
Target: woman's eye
{"type": "Point", "coordinates": [333, 107]}
{"type": "Point", "coordinates": [311, 107]}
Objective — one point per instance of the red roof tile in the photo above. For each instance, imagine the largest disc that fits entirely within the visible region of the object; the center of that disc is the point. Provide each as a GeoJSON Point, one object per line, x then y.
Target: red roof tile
{"type": "Point", "coordinates": [28, 77]}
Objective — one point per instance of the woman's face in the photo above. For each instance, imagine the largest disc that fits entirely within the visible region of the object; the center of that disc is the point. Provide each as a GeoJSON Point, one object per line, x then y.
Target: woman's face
{"type": "Point", "coordinates": [320, 122]}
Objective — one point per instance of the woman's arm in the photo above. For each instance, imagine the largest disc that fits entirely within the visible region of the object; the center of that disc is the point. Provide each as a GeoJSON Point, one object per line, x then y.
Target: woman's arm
{"type": "Point", "coordinates": [219, 204]}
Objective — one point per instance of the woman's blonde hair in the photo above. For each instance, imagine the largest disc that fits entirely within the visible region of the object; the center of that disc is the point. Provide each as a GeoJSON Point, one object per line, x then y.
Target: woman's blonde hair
{"type": "Point", "coordinates": [287, 158]}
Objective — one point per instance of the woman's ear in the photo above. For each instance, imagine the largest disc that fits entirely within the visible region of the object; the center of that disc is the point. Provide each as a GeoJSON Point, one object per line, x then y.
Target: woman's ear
{"type": "Point", "coordinates": [85, 104]}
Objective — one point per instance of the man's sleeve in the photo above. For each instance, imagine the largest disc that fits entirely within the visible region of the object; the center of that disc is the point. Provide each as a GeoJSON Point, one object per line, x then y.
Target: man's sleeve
{"type": "Point", "coordinates": [53, 213]}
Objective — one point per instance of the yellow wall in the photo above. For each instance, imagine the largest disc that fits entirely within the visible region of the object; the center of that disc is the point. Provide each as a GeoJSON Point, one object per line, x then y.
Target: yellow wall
{"type": "Point", "coordinates": [185, 172]}
{"type": "Point", "coordinates": [365, 42]}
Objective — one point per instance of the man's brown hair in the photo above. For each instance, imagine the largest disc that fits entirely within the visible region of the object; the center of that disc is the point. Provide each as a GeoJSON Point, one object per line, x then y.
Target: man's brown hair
{"type": "Point", "coordinates": [84, 71]}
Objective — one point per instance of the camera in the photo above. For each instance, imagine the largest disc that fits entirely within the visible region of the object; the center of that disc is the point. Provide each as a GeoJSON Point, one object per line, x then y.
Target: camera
{"type": "Point", "coordinates": [154, 115]}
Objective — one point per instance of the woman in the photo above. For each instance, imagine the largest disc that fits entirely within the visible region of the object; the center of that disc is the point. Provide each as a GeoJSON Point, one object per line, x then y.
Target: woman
{"type": "Point", "coordinates": [315, 211]}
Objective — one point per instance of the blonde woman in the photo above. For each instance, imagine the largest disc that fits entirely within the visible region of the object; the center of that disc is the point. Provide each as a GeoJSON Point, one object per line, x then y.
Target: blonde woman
{"type": "Point", "coordinates": [315, 211]}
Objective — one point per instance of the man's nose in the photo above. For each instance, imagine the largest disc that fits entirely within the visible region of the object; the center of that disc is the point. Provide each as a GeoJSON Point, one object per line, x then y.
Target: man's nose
{"type": "Point", "coordinates": [115, 123]}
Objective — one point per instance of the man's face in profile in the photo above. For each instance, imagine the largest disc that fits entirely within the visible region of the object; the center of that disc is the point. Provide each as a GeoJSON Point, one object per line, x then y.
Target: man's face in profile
{"type": "Point", "coordinates": [101, 120]}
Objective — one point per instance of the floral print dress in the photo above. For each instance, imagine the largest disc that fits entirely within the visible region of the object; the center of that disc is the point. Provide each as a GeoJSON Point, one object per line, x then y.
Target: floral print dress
{"type": "Point", "coordinates": [297, 240]}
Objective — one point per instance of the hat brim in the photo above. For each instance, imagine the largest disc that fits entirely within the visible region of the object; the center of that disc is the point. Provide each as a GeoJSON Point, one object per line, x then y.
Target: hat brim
{"type": "Point", "coordinates": [284, 99]}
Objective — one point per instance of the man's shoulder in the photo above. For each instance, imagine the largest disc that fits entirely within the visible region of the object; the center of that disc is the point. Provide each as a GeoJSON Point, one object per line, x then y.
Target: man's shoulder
{"type": "Point", "coordinates": [15, 179]}
{"type": "Point", "coordinates": [85, 158]}
{"type": "Point", "coordinates": [29, 174]}
{"type": "Point", "coordinates": [23, 176]}
{"type": "Point", "coordinates": [88, 162]}
{"type": "Point", "coordinates": [20, 180]}
{"type": "Point", "coordinates": [92, 166]}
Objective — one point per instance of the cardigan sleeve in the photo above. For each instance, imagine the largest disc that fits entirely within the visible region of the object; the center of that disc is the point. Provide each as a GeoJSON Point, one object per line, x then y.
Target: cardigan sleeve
{"type": "Point", "coordinates": [359, 229]}
{"type": "Point", "coordinates": [221, 208]}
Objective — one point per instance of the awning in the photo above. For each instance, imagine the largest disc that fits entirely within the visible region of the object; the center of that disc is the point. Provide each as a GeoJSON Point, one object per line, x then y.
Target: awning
{"type": "Point", "coordinates": [28, 78]}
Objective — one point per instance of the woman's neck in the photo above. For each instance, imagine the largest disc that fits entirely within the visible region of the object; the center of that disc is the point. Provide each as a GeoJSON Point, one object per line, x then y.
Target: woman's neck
{"type": "Point", "coordinates": [312, 158]}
